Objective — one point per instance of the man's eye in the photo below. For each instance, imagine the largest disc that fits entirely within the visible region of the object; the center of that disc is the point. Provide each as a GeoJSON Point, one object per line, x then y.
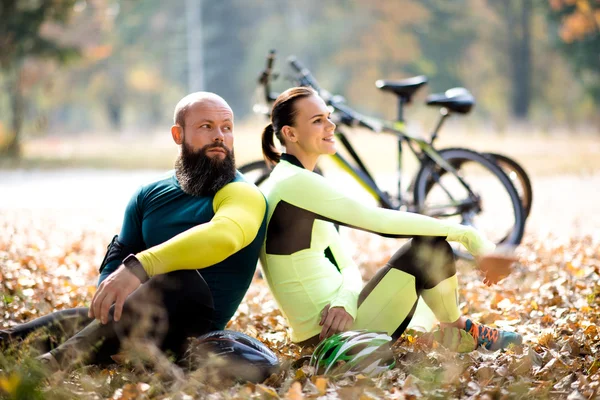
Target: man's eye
{"type": "Point", "coordinates": [205, 126]}
{"type": "Point", "coordinates": [227, 128]}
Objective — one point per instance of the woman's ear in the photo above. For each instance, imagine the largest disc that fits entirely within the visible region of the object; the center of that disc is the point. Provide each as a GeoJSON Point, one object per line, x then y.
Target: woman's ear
{"type": "Point", "coordinates": [289, 134]}
{"type": "Point", "coordinates": [177, 133]}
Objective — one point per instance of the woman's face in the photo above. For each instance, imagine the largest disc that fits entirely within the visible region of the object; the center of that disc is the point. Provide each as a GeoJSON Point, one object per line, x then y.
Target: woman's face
{"type": "Point", "coordinates": [313, 131]}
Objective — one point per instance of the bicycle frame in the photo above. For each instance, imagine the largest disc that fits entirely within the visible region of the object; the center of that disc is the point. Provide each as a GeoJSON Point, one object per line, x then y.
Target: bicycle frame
{"type": "Point", "coordinates": [360, 173]}
{"type": "Point", "coordinates": [365, 179]}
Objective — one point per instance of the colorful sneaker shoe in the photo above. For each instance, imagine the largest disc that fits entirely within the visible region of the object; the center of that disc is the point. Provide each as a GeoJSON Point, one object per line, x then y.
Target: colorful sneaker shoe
{"type": "Point", "coordinates": [492, 338]}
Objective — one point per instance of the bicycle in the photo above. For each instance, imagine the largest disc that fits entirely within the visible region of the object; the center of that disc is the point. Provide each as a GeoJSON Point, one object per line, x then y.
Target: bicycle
{"type": "Point", "coordinates": [440, 188]}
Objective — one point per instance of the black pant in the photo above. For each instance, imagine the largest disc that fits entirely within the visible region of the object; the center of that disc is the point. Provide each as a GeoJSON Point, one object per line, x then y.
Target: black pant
{"type": "Point", "coordinates": [165, 311]}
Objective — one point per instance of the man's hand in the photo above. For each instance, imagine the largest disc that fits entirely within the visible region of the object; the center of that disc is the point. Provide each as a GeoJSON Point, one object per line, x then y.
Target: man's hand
{"type": "Point", "coordinates": [113, 290]}
{"type": "Point", "coordinates": [334, 320]}
{"type": "Point", "coordinates": [495, 267]}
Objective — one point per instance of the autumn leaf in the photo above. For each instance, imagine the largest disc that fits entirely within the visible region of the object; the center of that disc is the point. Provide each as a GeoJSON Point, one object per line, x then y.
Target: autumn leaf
{"type": "Point", "coordinates": [295, 392]}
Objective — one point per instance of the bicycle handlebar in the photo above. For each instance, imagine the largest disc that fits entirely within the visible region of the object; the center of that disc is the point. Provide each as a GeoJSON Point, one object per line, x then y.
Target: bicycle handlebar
{"type": "Point", "coordinates": [265, 76]}
{"type": "Point", "coordinates": [350, 117]}
{"type": "Point", "coordinates": [306, 77]}
{"type": "Point", "coordinates": [270, 60]}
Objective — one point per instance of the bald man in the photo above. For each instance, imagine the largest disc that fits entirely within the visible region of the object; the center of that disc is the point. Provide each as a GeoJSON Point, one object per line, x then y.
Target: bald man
{"type": "Point", "coordinates": [186, 253]}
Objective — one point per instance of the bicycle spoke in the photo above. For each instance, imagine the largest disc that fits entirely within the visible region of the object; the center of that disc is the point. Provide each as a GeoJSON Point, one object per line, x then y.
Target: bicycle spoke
{"type": "Point", "coordinates": [481, 196]}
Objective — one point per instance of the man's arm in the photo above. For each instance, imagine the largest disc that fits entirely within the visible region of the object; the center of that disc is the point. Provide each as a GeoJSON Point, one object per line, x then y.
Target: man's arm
{"type": "Point", "coordinates": [239, 211]}
{"type": "Point", "coordinates": [130, 239]}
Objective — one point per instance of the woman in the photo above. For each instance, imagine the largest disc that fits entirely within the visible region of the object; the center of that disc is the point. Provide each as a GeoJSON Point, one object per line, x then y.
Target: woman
{"type": "Point", "coordinates": [316, 284]}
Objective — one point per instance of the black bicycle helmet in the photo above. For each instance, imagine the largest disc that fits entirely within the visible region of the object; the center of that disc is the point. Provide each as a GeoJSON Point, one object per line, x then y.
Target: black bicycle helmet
{"type": "Point", "coordinates": [245, 358]}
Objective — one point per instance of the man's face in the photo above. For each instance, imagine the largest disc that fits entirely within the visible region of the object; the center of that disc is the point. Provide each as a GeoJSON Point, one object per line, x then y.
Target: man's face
{"type": "Point", "coordinates": [207, 123]}
{"type": "Point", "coordinates": [206, 162]}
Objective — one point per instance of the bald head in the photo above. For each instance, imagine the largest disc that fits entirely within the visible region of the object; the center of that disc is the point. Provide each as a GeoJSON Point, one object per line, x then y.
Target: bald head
{"type": "Point", "coordinates": [191, 99]}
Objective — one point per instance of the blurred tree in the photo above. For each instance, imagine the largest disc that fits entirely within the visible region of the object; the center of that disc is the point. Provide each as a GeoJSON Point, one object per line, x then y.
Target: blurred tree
{"type": "Point", "coordinates": [379, 42]}
{"type": "Point", "coordinates": [576, 33]}
{"type": "Point", "coordinates": [444, 41]}
{"type": "Point", "coordinates": [132, 71]}
{"type": "Point", "coordinates": [228, 30]}
{"type": "Point", "coordinates": [517, 19]}
{"type": "Point", "coordinates": [22, 37]}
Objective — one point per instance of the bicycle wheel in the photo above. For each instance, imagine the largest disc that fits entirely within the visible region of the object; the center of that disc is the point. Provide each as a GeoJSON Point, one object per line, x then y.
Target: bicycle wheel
{"type": "Point", "coordinates": [518, 177]}
{"type": "Point", "coordinates": [492, 206]}
{"type": "Point", "coordinates": [256, 172]}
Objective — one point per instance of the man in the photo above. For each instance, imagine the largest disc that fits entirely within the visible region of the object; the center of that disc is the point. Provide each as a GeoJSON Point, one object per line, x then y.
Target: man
{"type": "Point", "coordinates": [186, 253]}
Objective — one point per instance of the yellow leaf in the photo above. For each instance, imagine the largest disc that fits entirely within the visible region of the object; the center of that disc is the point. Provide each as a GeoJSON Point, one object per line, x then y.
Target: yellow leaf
{"type": "Point", "coordinates": [10, 384]}
{"type": "Point", "coordinates": [546, 339]}
{"type": "Point", "coordinates": [300, 375]}
{"type": "Point", "coordinates": [591, 331]}
{"type": "Point", "coordinates": [266, 391]}
{"type": "Point", "coordinates": [295, 392]}
{"type": "Point", "coordinates": [321, 385]}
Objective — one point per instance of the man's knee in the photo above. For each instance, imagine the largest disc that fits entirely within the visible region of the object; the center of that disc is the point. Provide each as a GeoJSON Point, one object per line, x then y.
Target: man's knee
{"type": "Point", "coordinates": [184, 285]}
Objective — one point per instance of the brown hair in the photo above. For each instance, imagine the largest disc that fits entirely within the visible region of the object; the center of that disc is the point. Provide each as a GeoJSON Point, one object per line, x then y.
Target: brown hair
{"type": "Point", "coordinates": [282, 114]}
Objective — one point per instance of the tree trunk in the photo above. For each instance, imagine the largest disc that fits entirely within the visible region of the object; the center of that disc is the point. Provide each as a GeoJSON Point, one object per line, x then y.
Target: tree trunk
{"type": "Point", "coordinates": [519, 26]}
{"type": "Point", "coordinates": [17, 103]}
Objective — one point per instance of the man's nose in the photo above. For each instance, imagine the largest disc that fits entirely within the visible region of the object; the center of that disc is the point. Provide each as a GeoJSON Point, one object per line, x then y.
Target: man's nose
{"type": "Point", "coordinates": [219, 135]}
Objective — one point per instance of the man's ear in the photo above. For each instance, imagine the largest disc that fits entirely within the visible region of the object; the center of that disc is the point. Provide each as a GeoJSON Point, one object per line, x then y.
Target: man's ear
{"type": "Point", "coordinates": [289, 134]}
{"type": "Point", "coordinates": [177, 133]}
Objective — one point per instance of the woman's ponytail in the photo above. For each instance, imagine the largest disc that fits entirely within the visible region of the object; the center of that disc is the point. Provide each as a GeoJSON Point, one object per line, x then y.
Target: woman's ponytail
{"type": "Point", "coordinates": [283, 113]}
{"type": "Point", "coordinates": [270, 153]}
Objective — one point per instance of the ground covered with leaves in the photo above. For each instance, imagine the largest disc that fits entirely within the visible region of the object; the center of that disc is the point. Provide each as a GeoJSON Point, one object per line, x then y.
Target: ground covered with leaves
{"type": "Point", "coordinates": [48, 261]}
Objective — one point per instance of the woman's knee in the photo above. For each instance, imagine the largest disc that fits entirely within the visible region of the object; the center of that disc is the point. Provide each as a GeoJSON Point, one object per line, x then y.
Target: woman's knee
{"type": "Point", "coordinates": [429, 259]}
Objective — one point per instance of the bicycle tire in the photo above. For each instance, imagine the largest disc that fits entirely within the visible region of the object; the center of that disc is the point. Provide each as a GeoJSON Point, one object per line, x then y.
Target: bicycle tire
{"type": "Point", "coordinates": [263, 171]}
{"type": "Point", "coordinates": [518, 177]}
{"type": "Point", "coordinates": [457, 157]}
{"type": "Point", "coordinates": [261, 166]}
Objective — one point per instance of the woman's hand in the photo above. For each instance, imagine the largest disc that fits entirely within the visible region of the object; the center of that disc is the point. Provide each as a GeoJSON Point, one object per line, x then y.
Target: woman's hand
{"type": "Point", "coordinates": [495, 267]}
{"type": "Point", "coordinates": [334, 320]}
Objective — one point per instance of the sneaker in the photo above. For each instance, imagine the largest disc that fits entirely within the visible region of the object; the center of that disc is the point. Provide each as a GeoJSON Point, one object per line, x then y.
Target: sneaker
{"type": "Point", "coordinates": [492, 338]}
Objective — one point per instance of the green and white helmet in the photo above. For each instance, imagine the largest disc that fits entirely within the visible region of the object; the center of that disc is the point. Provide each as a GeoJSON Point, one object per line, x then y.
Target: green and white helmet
{"type": "Point", "coordinates": [362, 352]}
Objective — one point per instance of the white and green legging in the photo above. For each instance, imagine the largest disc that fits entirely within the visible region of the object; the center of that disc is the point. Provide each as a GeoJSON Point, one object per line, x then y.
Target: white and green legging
{"type": "Point", "coordinates": [306, 267]}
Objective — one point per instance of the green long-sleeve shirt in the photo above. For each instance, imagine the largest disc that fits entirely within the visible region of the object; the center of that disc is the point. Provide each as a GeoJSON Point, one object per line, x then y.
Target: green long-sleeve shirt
{"type": "Point", "coordinates": [221, 235]}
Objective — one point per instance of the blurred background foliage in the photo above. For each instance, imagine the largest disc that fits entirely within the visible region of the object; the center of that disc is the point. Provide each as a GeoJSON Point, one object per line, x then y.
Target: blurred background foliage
{"type": "Point", "coordinates": [78, 66]}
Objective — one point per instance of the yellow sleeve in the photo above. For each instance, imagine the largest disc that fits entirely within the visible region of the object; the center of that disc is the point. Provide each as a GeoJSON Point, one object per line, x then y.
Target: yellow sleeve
{"type": "Point", "coordinates": [347, 295]}
{"type": "Point", "coordinates": [332, 205]}
{"type": "Point", "coordinates": [239, 211]}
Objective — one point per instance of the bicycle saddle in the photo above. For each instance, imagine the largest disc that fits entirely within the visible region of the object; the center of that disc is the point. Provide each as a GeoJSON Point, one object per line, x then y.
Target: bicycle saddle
{"type": "Point", "coordinates": [404, 88]}
{"type": "Point", "coordinates": [457, 99]}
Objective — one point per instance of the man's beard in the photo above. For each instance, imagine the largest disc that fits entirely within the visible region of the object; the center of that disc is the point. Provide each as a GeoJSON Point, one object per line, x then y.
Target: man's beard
{"type": "Point", "coordinates": [202, 175]}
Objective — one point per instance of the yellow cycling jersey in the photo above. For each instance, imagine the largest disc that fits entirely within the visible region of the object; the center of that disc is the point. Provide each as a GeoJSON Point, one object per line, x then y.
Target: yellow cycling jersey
{"type": "Point", "coordinates": [302, 257]}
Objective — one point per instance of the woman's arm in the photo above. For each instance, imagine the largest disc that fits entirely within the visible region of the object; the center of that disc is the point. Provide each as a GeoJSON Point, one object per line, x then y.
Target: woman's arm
{"type": "Point", "coordinates": [313, 193]}
{"type": "Point", "coordinates": [347, 295]}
